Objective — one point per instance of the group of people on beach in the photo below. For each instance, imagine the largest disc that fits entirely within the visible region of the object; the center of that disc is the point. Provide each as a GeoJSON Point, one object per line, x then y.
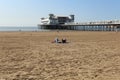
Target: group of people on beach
{"type": "Point", "coordinates": [58, 41]}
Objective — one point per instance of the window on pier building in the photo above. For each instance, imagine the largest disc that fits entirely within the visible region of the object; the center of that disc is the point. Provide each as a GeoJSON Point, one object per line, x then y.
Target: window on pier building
{"type": "Point", "coordinates": [62, 20]}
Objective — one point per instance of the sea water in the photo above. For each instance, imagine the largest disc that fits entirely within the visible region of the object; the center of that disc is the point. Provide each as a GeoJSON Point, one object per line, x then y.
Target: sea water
{"type": "Point", "coordinates": [26, 28]}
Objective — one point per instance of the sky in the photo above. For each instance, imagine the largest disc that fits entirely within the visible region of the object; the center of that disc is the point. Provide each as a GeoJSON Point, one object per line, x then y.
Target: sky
{"type": "Point", "coordinates": [29, 12]}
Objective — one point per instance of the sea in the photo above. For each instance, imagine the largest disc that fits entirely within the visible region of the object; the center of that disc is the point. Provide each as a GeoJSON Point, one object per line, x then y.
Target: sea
{"type": "Point", "coordinates": [23, 28]}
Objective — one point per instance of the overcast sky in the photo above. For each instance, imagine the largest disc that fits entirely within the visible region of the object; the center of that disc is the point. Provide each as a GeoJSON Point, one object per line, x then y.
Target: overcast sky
{"type": "Point", "coordinates": [29, 12]}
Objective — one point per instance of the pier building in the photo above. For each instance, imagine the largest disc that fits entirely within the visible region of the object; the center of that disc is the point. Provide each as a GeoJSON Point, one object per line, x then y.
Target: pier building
{"type": "Point", "coordinates": [56, 20]}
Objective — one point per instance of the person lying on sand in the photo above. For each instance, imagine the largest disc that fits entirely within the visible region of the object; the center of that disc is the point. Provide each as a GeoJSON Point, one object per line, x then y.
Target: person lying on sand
{"type": "Point", "coordinates": [56, 40]}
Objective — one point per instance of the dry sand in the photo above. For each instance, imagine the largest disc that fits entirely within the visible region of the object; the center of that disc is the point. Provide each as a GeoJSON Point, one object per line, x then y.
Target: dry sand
{"type": "Point", "coordinates": [32, 56]}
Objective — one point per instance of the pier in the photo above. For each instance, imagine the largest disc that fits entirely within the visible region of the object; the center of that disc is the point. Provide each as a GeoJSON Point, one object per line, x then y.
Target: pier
{"type": "Point", "coordinates": [86, 26]}
{"type": "Point", "coordinates": [67, 23]}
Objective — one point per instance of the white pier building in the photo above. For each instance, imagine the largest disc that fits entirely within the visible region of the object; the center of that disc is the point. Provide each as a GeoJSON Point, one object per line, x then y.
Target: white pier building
{"type": "Point", "coordinates": [56, 20]}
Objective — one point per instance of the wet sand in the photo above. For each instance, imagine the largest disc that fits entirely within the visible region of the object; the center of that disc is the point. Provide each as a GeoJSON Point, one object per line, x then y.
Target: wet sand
{"type": "Point", "coordinates": [86, 56]}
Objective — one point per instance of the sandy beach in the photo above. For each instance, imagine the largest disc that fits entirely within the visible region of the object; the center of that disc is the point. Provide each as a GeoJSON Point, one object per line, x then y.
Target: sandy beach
{"type": "Point", "coordinates": [86, 56]}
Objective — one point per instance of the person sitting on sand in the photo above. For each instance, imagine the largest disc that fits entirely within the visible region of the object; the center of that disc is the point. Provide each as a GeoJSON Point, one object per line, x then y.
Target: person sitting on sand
{"type": "Point", "coordinates": [64, 40]}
